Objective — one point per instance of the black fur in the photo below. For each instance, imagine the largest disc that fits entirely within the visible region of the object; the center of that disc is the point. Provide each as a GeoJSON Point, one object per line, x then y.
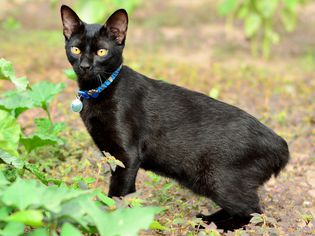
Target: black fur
{"type": "Point", "coordinates": [214, 149]}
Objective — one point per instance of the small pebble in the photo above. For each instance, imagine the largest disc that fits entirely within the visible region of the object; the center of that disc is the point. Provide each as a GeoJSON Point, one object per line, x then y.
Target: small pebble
{"type": "Point", "coordinates": [306, 203]}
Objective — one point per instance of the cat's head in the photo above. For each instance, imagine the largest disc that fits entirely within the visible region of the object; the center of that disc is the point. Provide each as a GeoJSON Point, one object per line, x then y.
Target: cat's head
{"type": "Point", "coordinates": [94, 50]}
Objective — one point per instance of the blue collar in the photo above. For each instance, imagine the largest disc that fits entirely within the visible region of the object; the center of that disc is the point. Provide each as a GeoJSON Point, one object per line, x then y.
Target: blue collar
{"type": "Point", "coordinates": [94, 93]}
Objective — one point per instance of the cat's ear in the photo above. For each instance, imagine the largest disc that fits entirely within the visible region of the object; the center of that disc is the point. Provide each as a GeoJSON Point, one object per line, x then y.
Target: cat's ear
{"type": "Point", "coordinates": [117, 25]}
{"type": "Point", "coordinates": [70, 20]}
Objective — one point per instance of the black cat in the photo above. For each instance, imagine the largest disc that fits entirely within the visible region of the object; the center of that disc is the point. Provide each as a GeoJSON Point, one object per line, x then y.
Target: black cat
{"type": "Point", "coordinates": [212, 148]}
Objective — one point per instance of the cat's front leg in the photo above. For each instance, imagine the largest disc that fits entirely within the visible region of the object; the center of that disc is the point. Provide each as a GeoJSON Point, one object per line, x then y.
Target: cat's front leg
{"type": "Point", "coordinates": [123, 181]}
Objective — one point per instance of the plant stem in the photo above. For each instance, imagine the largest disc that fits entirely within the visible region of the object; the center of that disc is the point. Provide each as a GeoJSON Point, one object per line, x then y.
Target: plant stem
{"type": "Point", "coordinates": [254, 45]}
{"type": "Point", "coordinates": [48, 114]}
{"type": "Point", "coordinates": [266, 39]}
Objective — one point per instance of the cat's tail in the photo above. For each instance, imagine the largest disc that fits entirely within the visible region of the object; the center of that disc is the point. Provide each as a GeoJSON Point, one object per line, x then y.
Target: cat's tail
{"type": "Point", "coordinates": [283, 156]}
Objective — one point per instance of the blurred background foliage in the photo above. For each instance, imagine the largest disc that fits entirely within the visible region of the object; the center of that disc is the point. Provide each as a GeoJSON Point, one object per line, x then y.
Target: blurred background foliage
{"type": "Point", "coordinates": [92, 11]}
{"type": "Point", "coordinates": [260, 18]}
{"type": "Point", "coordinates": [100, 13]}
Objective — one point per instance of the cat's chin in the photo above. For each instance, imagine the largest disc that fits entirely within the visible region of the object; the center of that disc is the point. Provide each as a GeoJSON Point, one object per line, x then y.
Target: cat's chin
{"type": "Point", "coordinates": [87, 77]}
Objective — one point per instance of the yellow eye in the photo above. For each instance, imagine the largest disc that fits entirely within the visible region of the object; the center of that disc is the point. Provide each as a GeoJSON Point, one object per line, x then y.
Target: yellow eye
{"type": "Point", "coordinates": [75, 50]}
{"type": "Point", "coordinates": [102, 52]}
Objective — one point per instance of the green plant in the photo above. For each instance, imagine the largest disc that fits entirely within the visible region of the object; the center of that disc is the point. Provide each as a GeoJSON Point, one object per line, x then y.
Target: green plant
{"type": "Point", "coordinates": [25, 97]}
{"type": "Point", "coordinates": [10, 23]}
{"type": "Point", "coordinates": [214, 93]}
{"type": "Point", "coordinates": [260, 19]}
{"type": "Point", "coordinates": [96, 11]}
{"type": "Point", "coordinates": [43, 210]}
{"type": "Point", "coordinates": [15, 145]}
{"type": "Point", "coordinates": [70, 74]}
{"type": "Point", "coordinates": [264, 224]}
{"type": "Point", "coordinates": [47, 207]}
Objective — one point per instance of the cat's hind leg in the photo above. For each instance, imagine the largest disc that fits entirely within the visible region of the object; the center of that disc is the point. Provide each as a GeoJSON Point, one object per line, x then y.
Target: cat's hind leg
{"type": "Point", "coordinates": [237, 198]}
{"type": "Point", "coordinates": [215, 217]}
{"type": "Point", "coordinates": [223, 220]}
{"type": "Point", "coordinates": [239, 205]}
{"type": "Point", "coordinates": [233, 223]}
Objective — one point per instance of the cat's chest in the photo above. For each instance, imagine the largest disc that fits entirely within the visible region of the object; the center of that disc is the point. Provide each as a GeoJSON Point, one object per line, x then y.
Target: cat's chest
{"type": "Point", "coordinates": [96, 113]}
{"type": "Point", "coordinates": [99, 118]}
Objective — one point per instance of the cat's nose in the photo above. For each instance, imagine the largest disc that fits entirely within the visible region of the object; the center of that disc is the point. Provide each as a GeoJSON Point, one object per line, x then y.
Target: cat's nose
{"type": "Point", "coordinates": [85, 66]}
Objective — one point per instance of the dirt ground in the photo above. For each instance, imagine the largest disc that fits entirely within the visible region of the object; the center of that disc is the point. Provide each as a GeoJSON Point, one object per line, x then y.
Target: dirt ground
{"type": "Point", "coordinates": [188, 43]}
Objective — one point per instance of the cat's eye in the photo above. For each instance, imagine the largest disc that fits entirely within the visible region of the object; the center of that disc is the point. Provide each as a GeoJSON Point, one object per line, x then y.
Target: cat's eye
{"type": "Point", "coordinates": [75, 50]}
{"type": "Point", "coordinates": [101, 52]}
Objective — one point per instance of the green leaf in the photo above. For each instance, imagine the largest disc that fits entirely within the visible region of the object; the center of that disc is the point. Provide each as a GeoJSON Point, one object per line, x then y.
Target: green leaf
{"type": "Point", "coordinates": [4, 213]}
{"type": "Point", "coordinates": [272, 36]}
{"type": "Point", "coordinates": [155, 225]}
{"type": "Point", "coordinates": [121, 222]}
{"type": "Point", "coordinates": [7, 73]}
{"type": "Point", "coordinates": [256, 219]}
{"type": "Point", "coordinates": [89, 180]}
{"type": "Point", "coordinates": [112, 161]}
{"type": "Point", "coordinates": [69, 230]}
{"type": "Point", "coordinates": [3, 180]}
{"type": "Point", "coordinates": [33, 169]}
{"type": "Point", "coordinates": [214, 93]}
{"type": "Point", "coordinates": [39, 232]}
{"type": "Point", "coordinates": [44, 127]}
{"type": "Point", "coordinates": [130, 220]}
{"type": "Point", "coordinates": [266, 7]}
{"type": "Point", "coordinates": [154, 177]}
{"type": "Point", "coordinates": [53, 197]}
{"type": "Point", "coordinates": [135, 202]}
{"type": "Point", "coordinates": [12, 229]}
{"type": "Point", "coordinates": [40, 175]}
{"type": "Point", "coordinates": [36, 194]}
{"type": "Point", "coordinates": [46, 134]}
{"type": "Point", "coordinates": [291, 4]}
{"type": "Point", "coordinates": [10, 23]}
{"type": "Point", "coordinates": [307, 217]}
{"type": "Point", "coordinates": [32, 194]}
{"type": "Point", "coordinates": [21, 83]}
{"type": "Point", "coordinates": [16, 101]}
{"type": "Point", "coordinates": [227, 6]}
{"type": "Point", "coordinates": [252, 24]}
{"type": "Point", "coordinates": [98, 217]}
{"type": "Point", "coordinates": [167, 186]}
{"type": "Point", "coordinates": [105, 199]}
{"type": "Point", "coordinates": [92, 11]}
{"type": "Point", "coordinates": [9, 133]}
{"type": "Point", "coordinates": [70, 74]}
{"type": "Point", "coordinates": [43, 92]}
{"type": "Point", "coordinates": [288, 19]}
{"type": "Point", "coordinates": [79, 215]}
{"type": "Point", "coordinates": [6, 70]}
{"type": "Point", "coordinates": [32, 218]}
{"type": "Point", "coordinates": [33, 142]}
{"type": "Point", "coordinates": [243, 12]}
{"type": "Point", "coordinates": [11, 160]}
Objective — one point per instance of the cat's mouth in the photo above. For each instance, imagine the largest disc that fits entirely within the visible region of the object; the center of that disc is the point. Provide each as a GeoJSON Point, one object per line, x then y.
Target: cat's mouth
{"type": "Point", "coordinates": [86, 75]}
{"type": "Point", "coordinates": [92, 75]}
{"type": "Point", "coordinates": [95, 78]}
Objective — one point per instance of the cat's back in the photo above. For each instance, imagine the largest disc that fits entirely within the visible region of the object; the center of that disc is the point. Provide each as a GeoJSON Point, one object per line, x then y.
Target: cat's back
{"type": "Point", "coordinates": [178, 105]}
{"type": "Point", "coordinates": [172, 105]}
{"type": "Point", "coordinates": [192, 113]}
